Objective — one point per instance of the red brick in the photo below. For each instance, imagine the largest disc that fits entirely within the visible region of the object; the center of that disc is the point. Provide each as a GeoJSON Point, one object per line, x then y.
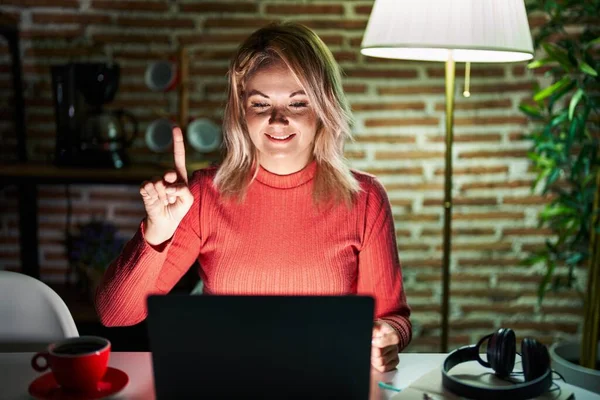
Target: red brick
{"type": "Point", "coordinates": [527, 200]}
{"type": "Point", "coordinates": [401, 171]}
{"type": "Point", "coordinates": [476, 105]}
{"type": "Point", "coordinates": [484, 71]}
{"type": "Point", "coordinates": [403, 232]}
{"type": "Point", "coordinates": [380, 73]}
{"type": "Point", "coordinates": [355, 88]}
{"type": "Point", "coordinates": [493, 246]}
{"type": "Point", "coordinates": [412, 292]}
{"type": "Point", "coordinates": [356, 155]}
{"type": "Point", "coordinates": [526, 232]}
{"type": "Point", "coordinates": [502, 87]}
{"type": "Point", "coordinates": [124, 5]}
{"type": "Point", "coordinates": [460, 232]}
{"type": "Point", "coordinates": [342, 56]}
{"type": "Point", "coordinates": [565, 310]}
{"type": "Point", "coordinates": [401, 202]}
{"type": "Point", "coordinates": [200, 38]}
{"type": "Point", "coordinates": [384, 90]}
{"type": "Point", "coordinates": [463, 201]}
{"type": "Point", "coordinates": [407, 155]}
{"type": "Point", "coordinates": [497, 309]}
{"type": "Point", "coordinates": [414, 105]}
{"type": "Point", "coordinates": [297, 9]}
{"type": "Point", "coordinates": [63, 18]}
{"type": "Point", "coordinates": [44, 34]}
{"type": "Point", "coordinates": [383, 122]}
{"type": "Point", "coordinates": [567, 327]}
{"type": "Point", "coordinates": [464, 138]}
{"type": "Point", "coordinates": [488, 262]}
{"type": "Point", "coordinates": [488, 154]}
{"type": "Point", "coordinates": [478, 121]}
{"type": "Point", "coordinates": [363, 9]}
{"type": "Point", "coordinates": [208, 71]}
{"type": "Point", "coordinates": [497, 185]}
{"type": "Point", "coordinates": [420, 217]}
{"type": "Point", "coordinates": [413, 247]}
{"type": "Point", "coordinates": [414, 186]}
{"type": "Point", "coordinates": [65, 52]}
{"type": "Point", "coordinates": [488, 215]}
{"type": "Point", "coordinates": [456, 277]}
{"type": "Point", "coordinates": [343, 24]}
{"type": "Point", "coordinates": [138, 22]}
{"type": "Point", "coordinates": [237, 23]}
{"type": "Point", "coordinates": [422, 263]}
{"type": "Point", "coordinates": [384, 139]}
{"type": "Point", "coordinates": [473, 170]}
{"type": "Point", "coordinates": [129, 38]}
{"type": "Point", "coordinates": [205, 7]}
{"type": "Point", "coordinates": [42, 3]}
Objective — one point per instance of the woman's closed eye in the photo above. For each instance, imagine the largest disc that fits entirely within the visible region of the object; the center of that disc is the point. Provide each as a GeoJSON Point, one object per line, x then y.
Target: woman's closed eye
{"type": "Point", "coordinates": [299, 104]}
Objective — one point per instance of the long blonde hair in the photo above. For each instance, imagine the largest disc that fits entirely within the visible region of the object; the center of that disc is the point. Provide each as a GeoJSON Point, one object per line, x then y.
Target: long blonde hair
{"type": "Point", "coordinates": [314, 66]}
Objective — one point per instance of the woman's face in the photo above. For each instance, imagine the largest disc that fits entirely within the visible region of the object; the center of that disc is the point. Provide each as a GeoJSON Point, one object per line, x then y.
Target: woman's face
{"type": "Point", "coordinates": [280, 119]}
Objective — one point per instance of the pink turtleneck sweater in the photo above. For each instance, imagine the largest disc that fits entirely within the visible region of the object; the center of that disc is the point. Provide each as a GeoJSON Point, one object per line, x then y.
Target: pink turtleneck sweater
{"type": "Point", "coordinates": [275, 242]}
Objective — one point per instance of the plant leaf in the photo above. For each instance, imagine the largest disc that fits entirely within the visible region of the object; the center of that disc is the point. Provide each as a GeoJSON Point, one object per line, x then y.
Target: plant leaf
{"type": "Point", "coordinates": [559, 54]}
{"type": "Point", "coordinates": [574, 100]}
{"type": "Point", "coordinates": [531, 111]}
{"type": "Point", "coordinates": [539, 63]}
{"type": "Point", "coordinates": [592, 43]}
{"type": "Point", "coordinates": [542, 94]}
{"type": "Point", "coordinates": [585, 67]}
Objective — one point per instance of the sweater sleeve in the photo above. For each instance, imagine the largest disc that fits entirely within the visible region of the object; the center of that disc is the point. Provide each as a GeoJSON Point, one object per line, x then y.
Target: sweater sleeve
{"type": "Point", "coordinates": [142, 269]}
{"type": "Point", "coordinates": [379, 269]}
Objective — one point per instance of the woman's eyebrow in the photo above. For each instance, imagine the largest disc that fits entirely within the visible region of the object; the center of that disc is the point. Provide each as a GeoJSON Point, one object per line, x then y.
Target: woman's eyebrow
{"type": "Point", "coordinates": [254, 91]}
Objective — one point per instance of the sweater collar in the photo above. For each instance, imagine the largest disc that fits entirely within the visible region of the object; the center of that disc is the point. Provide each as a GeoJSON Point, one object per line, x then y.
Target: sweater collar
{"type": "Point", "coordinates": [287, 181]}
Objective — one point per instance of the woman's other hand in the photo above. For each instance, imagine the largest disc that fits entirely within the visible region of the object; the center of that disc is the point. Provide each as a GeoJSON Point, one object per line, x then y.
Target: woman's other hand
{"type": "Point", "coordinates": [384, 347]}
{"type": "Point", "coordinates": [167, 199]}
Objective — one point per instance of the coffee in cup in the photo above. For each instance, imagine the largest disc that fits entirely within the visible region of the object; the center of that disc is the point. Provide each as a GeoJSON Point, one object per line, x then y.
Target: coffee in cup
{"type": "Point", "coordinates": [77, 363]}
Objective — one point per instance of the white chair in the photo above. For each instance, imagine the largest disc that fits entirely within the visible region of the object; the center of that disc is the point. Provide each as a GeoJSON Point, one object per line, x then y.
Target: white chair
{"type": "Point", "coordinates": [31, 314]}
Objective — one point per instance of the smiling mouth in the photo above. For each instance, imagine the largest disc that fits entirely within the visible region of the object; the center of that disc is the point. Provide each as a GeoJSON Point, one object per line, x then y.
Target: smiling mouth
{"type": "Point", "coordinates": [281, 137]}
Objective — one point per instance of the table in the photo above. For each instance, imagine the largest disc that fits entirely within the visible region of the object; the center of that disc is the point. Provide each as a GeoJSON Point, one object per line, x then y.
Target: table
{"type": "Point", "coordinates": [16, 374]}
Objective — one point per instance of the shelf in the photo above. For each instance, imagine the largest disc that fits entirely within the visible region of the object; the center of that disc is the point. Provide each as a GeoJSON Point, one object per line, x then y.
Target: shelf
{"type": "Point", "coordinates": [45, 173]}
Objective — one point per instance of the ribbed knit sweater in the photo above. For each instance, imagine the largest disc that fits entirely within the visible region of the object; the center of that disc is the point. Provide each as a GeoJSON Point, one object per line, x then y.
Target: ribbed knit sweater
{"type": "Point", "coordinates": [274, 242]}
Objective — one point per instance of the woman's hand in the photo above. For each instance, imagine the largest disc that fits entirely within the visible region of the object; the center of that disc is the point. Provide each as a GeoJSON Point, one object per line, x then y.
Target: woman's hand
{"type": "Point", "coordinates": [384, 347]}
{"type": "Point", "coordinates": [167, 199]}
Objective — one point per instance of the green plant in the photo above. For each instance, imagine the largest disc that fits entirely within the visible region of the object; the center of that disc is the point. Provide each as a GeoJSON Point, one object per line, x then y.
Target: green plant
{"type": "Point", "coordinates": [566, 143]}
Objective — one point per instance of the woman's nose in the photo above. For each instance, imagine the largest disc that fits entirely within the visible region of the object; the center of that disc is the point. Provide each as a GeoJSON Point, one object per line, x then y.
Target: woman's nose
{"type": "Point", "coordinates": [278, 116]}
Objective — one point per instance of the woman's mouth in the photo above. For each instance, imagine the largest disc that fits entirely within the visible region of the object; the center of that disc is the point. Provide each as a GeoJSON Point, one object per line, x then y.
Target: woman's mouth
{"type": "Point", "coordinates": [280, 138]}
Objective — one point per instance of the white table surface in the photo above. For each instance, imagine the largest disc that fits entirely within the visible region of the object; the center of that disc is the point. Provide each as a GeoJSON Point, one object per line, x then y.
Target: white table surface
{"type": "Point", "coordinates": [16, 374]}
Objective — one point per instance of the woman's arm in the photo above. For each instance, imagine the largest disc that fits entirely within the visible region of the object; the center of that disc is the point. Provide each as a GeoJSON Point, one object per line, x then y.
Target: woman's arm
{"type": "Point", "coordinates": [379, 270]}
{"type": "Point", "coordinates": [142, 269]}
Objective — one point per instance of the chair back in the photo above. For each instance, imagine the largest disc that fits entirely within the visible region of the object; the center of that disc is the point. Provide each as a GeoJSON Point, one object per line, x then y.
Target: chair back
{"type": "Point", "coordinates": [32, 315]}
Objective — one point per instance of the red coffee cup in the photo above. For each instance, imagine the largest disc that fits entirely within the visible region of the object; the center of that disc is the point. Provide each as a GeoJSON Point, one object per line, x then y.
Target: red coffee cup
{"type": "Point", "coordinates": [77, 363]}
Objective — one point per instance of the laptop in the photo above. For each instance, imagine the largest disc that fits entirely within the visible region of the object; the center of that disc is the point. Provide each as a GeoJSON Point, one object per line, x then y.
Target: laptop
{"type": "Point", "coordinates": [284, 347]}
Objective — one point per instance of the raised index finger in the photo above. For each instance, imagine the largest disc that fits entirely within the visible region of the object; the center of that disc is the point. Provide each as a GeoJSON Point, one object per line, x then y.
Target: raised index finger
{"type": "Point", "coordinates": [179, 153]}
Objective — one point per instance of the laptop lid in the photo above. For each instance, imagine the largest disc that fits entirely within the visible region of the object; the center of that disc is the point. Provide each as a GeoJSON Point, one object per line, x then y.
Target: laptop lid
{"type": "Point", "coordinates": [260, 346]}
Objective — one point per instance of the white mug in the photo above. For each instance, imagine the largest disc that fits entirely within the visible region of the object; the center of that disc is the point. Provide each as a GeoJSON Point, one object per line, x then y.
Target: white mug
{"type": "Point", "coordinates": [204, 135]}
{"type": "Point", "coordinates": [159, 135]}
{"type": "Point", "coordinates": [161, 75]}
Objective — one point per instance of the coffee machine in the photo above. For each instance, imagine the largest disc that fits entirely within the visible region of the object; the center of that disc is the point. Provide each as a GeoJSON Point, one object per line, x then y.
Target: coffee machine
{"type": "Point", "coordinates": [87, 134]}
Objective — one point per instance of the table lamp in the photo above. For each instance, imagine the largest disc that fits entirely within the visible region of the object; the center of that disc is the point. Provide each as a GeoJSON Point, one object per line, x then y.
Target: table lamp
{"type": "Point", "coordinates": [449, 31]}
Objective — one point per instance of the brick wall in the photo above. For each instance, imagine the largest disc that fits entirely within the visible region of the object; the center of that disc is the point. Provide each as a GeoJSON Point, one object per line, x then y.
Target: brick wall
{"type": "Point", "coordinates": [399, 109]}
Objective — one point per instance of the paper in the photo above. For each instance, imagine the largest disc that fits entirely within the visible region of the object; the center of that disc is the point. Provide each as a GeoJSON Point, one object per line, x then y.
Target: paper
{"type": "Point", "coordinates": [472, 372]}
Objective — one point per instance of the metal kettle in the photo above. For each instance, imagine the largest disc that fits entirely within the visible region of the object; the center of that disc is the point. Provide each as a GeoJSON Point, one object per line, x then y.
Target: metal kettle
{"type": "Point", "coordinates": [109, 131]}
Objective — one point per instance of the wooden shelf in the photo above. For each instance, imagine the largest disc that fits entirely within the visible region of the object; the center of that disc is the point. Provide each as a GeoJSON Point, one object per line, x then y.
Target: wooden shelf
{"type": "Point", "coordinates": [45, 173]}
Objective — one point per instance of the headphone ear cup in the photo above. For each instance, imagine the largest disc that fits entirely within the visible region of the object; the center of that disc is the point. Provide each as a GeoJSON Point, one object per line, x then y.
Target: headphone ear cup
{"type": "Point", "coordinates": [535, 359]}
{"type": "Point", "coordinates": [501, 352]}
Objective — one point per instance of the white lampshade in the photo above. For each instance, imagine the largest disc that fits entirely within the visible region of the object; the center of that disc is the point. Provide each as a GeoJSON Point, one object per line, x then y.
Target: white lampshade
{"type": "Point", "coordinates": [433, 30]}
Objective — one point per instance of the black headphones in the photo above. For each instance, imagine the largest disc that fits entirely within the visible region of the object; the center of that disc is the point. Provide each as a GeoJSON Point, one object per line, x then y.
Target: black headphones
{"type": "Point", "coordinates": [501, 350]}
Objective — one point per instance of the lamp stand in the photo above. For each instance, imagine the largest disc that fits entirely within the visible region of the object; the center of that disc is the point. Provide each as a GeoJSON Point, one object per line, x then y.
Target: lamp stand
{"type": "Point", "coordinates": [450, 73]}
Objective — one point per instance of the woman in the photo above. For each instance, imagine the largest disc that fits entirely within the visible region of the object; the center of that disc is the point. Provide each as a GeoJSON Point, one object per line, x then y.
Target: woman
{"type": "Point", "coordinates": [282, 214]}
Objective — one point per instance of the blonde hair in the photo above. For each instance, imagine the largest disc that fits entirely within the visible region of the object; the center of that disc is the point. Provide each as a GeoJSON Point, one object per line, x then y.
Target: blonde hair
{"type": "Point", "coordinates": [315, 68]}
